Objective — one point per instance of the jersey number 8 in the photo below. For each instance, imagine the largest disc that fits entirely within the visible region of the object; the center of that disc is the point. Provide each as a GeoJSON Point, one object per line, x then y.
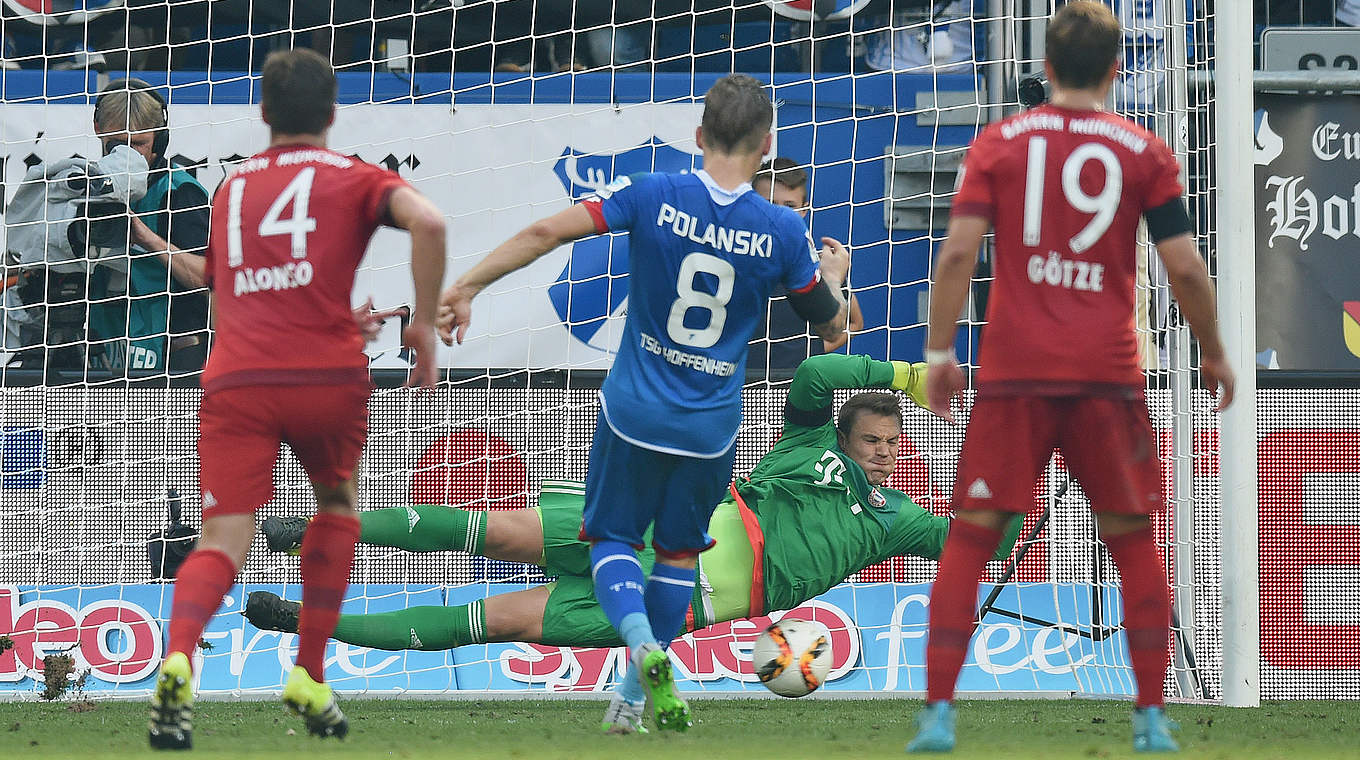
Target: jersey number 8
{"type": "Point", "coordinates": [688, 298]}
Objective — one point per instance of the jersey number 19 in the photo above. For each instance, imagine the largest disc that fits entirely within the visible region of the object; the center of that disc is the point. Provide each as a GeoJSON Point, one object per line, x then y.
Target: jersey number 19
{"type": "Point", "coordinates": [1103, 204]}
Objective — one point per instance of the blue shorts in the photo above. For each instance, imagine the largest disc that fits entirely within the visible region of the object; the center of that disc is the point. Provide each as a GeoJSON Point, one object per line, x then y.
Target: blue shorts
{"type": "Point", "coordinates": [630, 488]}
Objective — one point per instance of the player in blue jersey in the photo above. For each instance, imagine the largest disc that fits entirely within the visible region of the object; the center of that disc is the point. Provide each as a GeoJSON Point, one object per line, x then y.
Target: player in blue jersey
{"type": "Point", "coordinates": [705, 253]}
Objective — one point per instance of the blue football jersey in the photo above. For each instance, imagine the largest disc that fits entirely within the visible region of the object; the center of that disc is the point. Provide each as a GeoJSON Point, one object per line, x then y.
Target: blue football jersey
{"type": "Point", "coordinates": [702, 264]}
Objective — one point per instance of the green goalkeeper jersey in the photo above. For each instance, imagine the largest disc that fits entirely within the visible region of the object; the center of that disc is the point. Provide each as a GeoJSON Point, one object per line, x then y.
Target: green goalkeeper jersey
{"type": "Point", "coordinates": [821, 520]}
{"type": "Point", "coordinates": [817, 517]}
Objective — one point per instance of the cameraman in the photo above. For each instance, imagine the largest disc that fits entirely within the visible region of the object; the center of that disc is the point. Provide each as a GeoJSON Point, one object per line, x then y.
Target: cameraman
{"type": "Point", "coordinates": [162, 322]}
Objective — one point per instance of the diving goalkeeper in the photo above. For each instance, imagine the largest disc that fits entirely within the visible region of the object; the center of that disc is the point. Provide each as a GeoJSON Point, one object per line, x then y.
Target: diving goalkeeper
{"type": "Point", "coordinates": [812, 513]}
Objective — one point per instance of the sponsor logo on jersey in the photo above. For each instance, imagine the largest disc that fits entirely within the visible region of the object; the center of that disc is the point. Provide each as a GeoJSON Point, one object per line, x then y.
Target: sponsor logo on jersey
{"type": "Point", "coordinates": [412, 517]}
{"type": "Point", "coordinates": [830, 468]}
{"type": "Point", "coordinates": [590, 294]}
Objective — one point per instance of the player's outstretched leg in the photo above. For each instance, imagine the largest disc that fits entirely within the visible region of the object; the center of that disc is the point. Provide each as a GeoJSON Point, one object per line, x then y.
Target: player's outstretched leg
{"type": "Point", "coordinates": [284, 534]}
{"type": "Point", "coordinates": [172, 705]}
{"type": "Point", "coordinates": [420, 528]}
{"type": "Point", "coordinates": [427, 628]}
{"type": "Point", "coordinates": [658, 681]}
{"type": "Point", "coordinates": [935, 728]}
{"type": "Point", "coordinates": [270, 612]}
{"type": "Point", "coordinates": [1152, 731]}
{"type": "Point", "coordinates": [315, 704]}
{"type": "Point", "coordinates": [622, 716]}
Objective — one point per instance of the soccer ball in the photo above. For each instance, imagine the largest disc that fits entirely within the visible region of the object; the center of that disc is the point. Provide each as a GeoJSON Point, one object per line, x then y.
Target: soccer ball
{"type": "Point", "coordinates": [792, 657]}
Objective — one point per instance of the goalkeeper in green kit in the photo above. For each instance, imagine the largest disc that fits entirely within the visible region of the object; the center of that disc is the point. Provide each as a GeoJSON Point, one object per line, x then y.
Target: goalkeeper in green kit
{"type": "Point", "coordinates": [811, 514]}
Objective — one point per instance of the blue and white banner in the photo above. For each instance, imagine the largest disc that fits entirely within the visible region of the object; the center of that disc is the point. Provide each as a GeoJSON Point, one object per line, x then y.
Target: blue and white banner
{"type": "Point", "coordinates": [492, 169]}
{"type": "Point", "coordinates": [116, 634]}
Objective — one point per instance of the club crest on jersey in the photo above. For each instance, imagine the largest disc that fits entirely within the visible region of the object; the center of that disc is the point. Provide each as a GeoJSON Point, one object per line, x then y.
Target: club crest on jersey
{"type": "Point", "coordinates": [593, 286]}
{"type": "Point", "coordinates": [876, 499]}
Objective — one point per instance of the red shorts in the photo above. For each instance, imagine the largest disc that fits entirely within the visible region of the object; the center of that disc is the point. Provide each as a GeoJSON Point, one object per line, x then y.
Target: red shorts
{"type": "Point", "coordinates": [240, 429]}
{"type": "Point", "coordinates": [1107, 443]}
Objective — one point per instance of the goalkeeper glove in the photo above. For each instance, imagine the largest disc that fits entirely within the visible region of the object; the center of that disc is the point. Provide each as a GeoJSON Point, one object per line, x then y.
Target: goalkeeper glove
{"type": "Point", "coordinates": [911, 378]}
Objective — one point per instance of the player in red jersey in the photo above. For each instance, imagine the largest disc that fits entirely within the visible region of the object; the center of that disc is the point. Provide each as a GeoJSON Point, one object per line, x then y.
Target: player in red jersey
{"type": "Point", "coordinates": [287, 366]}
{"type": "Point", "coordinates": [1059, 362]}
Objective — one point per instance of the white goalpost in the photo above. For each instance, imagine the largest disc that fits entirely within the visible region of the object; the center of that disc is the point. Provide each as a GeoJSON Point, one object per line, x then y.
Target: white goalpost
{"type": "Point", "coordinates": [504, 112]}
{"type": "Point", "coordinates": [1237, 308]}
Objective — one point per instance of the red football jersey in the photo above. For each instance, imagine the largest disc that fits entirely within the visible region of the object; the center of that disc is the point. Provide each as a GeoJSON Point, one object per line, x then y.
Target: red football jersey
{"type": "Point", "coordinates": [289, 227]}
{"type": "Point", "coordinates": [1064, 191]}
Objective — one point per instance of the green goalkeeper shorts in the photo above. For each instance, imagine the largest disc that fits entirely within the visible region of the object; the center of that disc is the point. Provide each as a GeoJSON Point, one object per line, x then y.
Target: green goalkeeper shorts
{"type": "Point", "coordinates": [560, 504]}
{"type": "Point", "coordinates": [573, 617]}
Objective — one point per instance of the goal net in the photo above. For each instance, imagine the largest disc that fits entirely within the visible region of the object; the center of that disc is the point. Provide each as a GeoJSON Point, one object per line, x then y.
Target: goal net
{"type": "Point", "coordinates": [503, 113]}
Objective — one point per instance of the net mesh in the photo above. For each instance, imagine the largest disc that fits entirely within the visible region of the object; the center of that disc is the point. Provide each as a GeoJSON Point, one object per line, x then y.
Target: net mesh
{"type": "Point", "coordinates": [504, 112]}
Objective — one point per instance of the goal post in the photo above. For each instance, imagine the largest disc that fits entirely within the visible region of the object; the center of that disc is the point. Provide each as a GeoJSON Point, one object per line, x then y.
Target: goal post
{"type": "Point", "coordinates": [1236, 276]}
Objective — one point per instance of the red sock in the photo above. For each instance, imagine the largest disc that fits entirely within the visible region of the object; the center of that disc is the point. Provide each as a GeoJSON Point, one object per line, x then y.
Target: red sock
{"type": "Point", "coordinates": [953, 604]}
{"type": "Point", "coordinates": [327, 558]}
{"type": "Point", "coordinates": [204, 578]}
{"type": "Point", "coordinates": [1147, 610]}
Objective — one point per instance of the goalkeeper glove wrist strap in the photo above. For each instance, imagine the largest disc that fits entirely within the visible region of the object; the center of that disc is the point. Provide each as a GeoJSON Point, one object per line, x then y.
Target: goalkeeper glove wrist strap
{"type": "Point", "coordinates": [904, 376]}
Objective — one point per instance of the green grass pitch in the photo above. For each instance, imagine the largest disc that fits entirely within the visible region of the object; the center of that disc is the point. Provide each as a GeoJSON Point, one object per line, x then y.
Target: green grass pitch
{"type": "Point", "coordinates": [742, 729]}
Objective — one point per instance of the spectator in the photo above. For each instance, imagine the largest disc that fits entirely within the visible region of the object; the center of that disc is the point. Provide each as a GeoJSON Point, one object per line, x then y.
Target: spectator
{"type": "Point", "coordinates": [784, 183]}
{"type": "Point", "coordinates": [927, 37]}
{"type": "Point", "coordinates": [622, 48]}
{"type": "Point", "coordinates": [161, 323]}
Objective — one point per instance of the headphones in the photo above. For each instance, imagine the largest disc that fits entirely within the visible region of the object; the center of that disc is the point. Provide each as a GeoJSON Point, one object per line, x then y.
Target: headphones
{"type": "Point", "coordinates": [161, 139]}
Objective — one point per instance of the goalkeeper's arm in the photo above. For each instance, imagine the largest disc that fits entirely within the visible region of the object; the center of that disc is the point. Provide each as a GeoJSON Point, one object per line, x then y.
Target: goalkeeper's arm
{"type": "Point", "coordinates": [919, 533]}
{"type": "Point", "coordinates": [818, 377]}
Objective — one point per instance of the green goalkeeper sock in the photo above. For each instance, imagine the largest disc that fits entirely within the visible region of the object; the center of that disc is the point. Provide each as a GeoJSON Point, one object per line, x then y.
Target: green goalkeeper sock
{"type": "Point", "coordinates": [425, 528]}
{"type": "Point", "coordinates": [424, 628]}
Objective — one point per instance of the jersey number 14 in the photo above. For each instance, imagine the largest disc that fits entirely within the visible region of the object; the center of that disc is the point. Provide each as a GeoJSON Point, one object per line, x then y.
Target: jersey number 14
{"type": "Point", "coordinates": [298, 192]}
